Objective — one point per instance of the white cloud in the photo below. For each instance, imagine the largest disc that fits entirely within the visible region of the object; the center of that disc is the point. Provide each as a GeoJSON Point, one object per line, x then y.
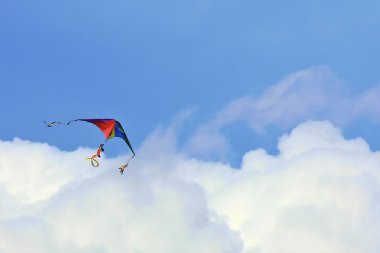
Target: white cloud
{"type": "Point", "coordinates": [317, 135]}
{"type": "Point", "coordinates": [315, 93]}
{"type": "Point", "coordinates": [320, 194]}
{"type": "Point", "coordinates": [53, 201]}
{"type": "Point", "coordinates": [367, 104]}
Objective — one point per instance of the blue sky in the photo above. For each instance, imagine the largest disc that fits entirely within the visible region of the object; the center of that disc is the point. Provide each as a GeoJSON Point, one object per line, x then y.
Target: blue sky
{"type": "Point", "coordinates": [143, 62]}
{"type": "Point", "coordinates": [251, 120]}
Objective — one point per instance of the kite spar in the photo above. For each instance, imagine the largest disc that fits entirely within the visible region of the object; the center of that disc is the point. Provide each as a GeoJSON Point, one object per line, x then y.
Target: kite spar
{"type": "Point", "coordinates": [110, 128]}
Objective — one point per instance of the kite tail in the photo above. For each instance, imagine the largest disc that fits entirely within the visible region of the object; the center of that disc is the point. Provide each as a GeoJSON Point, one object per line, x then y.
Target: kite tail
{"type": "Point", "coordinates": [58, 123]}
{"type": "Point", "coordinates": [122, 168]}
{"type": "Point", "coordinates": [94, 162]}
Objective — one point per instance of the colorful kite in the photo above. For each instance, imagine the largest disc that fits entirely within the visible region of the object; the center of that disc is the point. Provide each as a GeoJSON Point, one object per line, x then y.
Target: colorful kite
{"type": "Point", "coordinates": [110, 128]}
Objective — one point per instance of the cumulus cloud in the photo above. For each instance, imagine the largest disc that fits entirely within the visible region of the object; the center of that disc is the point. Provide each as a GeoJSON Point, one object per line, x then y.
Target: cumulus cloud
{"type": "Point", "coordinates": [316, 93]}
{"type": "Point", "coordinates": [52, 201]}
{"type": "Point", "coordinates": [319, 194]}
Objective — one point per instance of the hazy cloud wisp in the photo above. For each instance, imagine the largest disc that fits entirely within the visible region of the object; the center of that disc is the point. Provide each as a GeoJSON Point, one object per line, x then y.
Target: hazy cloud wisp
{"type": "Point", "coordinates": [315, 93]}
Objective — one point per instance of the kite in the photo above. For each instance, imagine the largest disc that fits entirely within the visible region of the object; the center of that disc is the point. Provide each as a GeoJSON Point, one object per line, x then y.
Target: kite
{"type": "Point", "coordinates": [110, 128]}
